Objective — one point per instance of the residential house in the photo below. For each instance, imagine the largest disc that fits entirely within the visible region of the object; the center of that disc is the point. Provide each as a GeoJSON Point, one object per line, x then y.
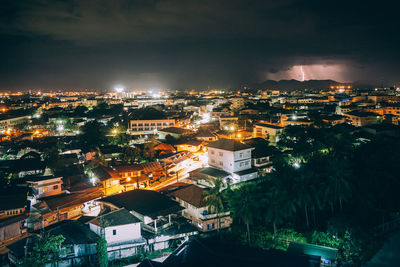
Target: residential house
{"type": "Point", "coordinates": [139, 175]}
{"type": "Point", "coordinates": [261, 155]}
{"type": "Point", "coordinates": [232, 156]}
{"type": "Point", "coordinates": [192, 198]}
{"type": "Point", "coordinates": [122, 232]}
{"type": "Point", "coordinates": [267, 131]}
{"type": "Point", "coordinates": [43, 186]}
{"type": "Point", "coordinates": [161, 222]}
{"type": "Point", "coordinates": [108, 178]}
{"type": "Point", "coordinates": [78, 248]}
{"type": "Point", "coordinates": [66, 206]}
{"type": "Point", "coordinates": [191, 146]}
{"type": "Point", "coordinates": [206, 135]}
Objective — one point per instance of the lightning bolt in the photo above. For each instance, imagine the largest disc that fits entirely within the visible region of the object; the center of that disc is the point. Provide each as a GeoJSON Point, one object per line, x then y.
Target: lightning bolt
{"type": "Point", "coordinates": [303, 75]}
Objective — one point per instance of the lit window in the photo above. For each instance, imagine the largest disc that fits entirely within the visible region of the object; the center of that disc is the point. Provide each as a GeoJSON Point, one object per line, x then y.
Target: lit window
{"type": "Point", "coordinates": [220, 154]}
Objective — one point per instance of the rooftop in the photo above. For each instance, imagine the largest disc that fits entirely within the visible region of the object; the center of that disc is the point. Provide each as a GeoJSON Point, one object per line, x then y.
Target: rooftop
{"type": "Point", "coordinates": [145, 202]}
{"type": "Point", "coordinates": [115, 218]}
{"type": "Point", "coordinates": [228, 144]}
{"type": "Point", "coordinates": [192, 194]}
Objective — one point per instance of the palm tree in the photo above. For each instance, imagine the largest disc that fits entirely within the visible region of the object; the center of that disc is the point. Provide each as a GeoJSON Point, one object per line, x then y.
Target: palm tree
{"type": "Point", "coordinates": [305, 190]}
{"type": "Point", "coordinates": [243, 205]}
{"type": "Point", "coordinates": [338, 187]}
{"type": "Point", "coordinates": [214, 199]}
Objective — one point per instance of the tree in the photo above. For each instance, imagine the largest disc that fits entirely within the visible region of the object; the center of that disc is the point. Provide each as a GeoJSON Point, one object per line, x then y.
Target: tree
{"type": "Point", "coordinates": [46, 250]}
{"type": "Point", "coordinates": [80, 110]}
{"type": "Point", "coordinates": [214, 199]}
{"type": "Point", "coordinates": [93, 134]}
{"type": "Point", "coordinates": [149, 147]}
{"type": "Point", "coordinates": [101, 252]}
{"type": "Point", "coordinates": [169, 139]}
{"type": "Point", "coordinates": [51, 156]}
{"type": "Point", "coordinates": [243, 206]}
{"type": "Point", "coordinates": [131, 154]}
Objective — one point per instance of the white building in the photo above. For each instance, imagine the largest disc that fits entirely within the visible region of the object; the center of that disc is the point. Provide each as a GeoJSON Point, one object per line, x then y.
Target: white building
{"type": "Point", "coordinates": [233, 157]}
{"type": "Point", "coordinates": [122, 232]}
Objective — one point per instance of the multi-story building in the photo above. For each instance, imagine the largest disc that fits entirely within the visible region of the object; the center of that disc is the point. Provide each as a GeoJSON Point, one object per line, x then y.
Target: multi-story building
{"type": "Point", "coordinates": [237, 103]}
{"type": "Point", "coordinates": [191, 197]}
{"type": "Point", "coordinates": [9, 122]}
{"type": "Point", "coordinates": [267, 131]}
{"type": "Point", "coordinates": [142, 127]}
{"type": "Point", "coordinates": [232, 156]}
{"type": "Point", "coordinates": [358, 118]}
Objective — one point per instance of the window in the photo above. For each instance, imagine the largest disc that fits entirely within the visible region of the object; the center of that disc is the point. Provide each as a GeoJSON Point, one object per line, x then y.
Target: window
{"type": "Point", "coordinates": [55, 187]}
{"type": "Point", "coordinates": [221, 163]}
{"type": "Point", "coordinates": [158, 123]}
{"type": "Point", "coordinates": [220, 154]}
{"type": "Point", "coordinates": [44, 189]}
{"type": "Point", "coordinates": [212, 160]}
{"type": "Point", "coordinates": [212, 152]}
{"type": "Point", "coordinates": [241, 155]}
{"type": "Point", "coordinates": [241, 164]}
{"type": "Point", "coordinates": [210, 226]}
{"type": "Point", "coordinates": [246, 163]}
{"type": "Point", "coordinates": [114, 232]}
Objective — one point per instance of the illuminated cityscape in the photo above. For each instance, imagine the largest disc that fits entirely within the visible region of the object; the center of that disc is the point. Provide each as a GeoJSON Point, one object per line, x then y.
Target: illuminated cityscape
{"type": "Point", "coordinates": [168, 134]}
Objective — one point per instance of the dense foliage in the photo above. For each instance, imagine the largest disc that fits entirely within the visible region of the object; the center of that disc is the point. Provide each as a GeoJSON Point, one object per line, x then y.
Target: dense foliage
{"type": "Point", "coordinates": [328, 188]}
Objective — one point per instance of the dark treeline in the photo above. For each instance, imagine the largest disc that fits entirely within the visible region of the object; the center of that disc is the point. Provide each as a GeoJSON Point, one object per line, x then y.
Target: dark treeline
{"type": "Point", "coordinates": [329, 187]}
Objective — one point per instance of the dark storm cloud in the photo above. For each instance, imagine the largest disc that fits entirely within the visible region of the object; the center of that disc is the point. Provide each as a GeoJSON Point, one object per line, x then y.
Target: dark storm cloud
{"type": "Point", "coordinates": [171, 43]}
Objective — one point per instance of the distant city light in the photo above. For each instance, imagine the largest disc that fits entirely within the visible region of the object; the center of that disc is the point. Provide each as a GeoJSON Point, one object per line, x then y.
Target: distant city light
{"type": "Point", "coordinates": [119, 89]}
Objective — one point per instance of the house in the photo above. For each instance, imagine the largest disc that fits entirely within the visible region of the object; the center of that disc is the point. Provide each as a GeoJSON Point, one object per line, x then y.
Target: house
{"type": "Point", "coordinates": [180, 163]}
{"type": "Point", "coordinates": [206, 135]}
{"type": "Point", "coordinates": [175, 132]}
{"type": "Point", "coordinates": [161, 222]}
{"type": "Point", "coordinates": [270, 132]}
{"type": "Point", "coordinates": [261, 155]}
{"type": "Point", "coordinates": [78, 248]}
{"type": "Point", "coordinates": [152, 208]}
{"type": "Point", "coordinates": [164, 149]}
{"type": "Point", "coordinates": [108, 178]}
{"type": "Point", "coordinates": [192, 198]}
{"type": "Point", "coordinates": [67, 206]}
{"type": "Point", "coordinates": [12, 227]}
{"type": "Point", "coordinates": [13, 201]}
{"type": "Point", "coordinates": [191, 146]}
{"type": "Point", "coordinates": [139, 175]}
{"type": "Point", "coordinates": [43, 186]}
{"type": "Point", "coordinates": [122, 232]}
{"type": "Point", "coordinates": [233, 157]}
{"type": "Point", "coordinates": [359, 118]}
{"type": "Point", "coordinates": [23, 167]}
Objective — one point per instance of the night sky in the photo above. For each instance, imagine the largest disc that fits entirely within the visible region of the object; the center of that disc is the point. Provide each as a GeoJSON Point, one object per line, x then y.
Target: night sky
{"type": "Point", "coordinates": [76, 44]}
